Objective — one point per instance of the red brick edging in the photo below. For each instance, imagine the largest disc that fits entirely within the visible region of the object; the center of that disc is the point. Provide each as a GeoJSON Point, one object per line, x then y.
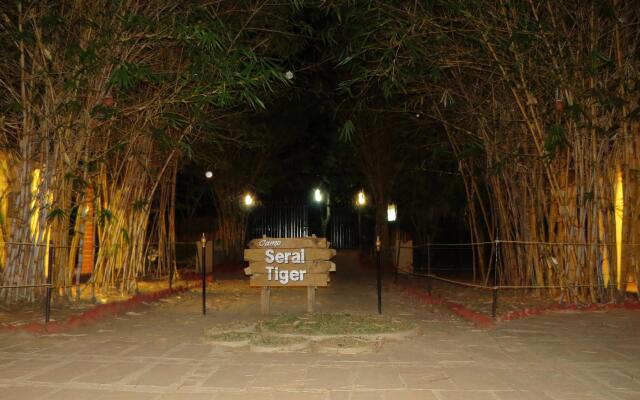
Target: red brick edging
{"type": "Point", "coordinates": [527, 312]}
{"type": "Point", "coordinates": [484, 321]}
{"type": "Point", "coordinates": [479, 319]}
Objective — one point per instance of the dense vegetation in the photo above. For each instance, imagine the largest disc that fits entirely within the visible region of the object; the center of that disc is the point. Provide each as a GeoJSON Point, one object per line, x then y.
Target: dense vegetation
{"type": "Point", "coordinates": [531, 105]}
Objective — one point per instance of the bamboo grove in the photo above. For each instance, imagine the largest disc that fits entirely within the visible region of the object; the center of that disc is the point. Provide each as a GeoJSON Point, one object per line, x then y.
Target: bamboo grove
{"type": "Point", "coordinates": [101, 102]}
{"type": "Point", "coordinates": [539, 102]}
{"type": "Point", "coordinates": [104, 102]}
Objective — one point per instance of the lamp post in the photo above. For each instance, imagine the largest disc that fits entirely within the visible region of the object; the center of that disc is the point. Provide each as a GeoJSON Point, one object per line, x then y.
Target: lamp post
{"type": "Point", "coordinates": [379, 274]}
{"type": "Point", "coordinates": [203, 265]}
{"type": "Point", "coordinates": [392, 214]}
{"type": "Point", "coordinates": [361, 201]}
{"type": "Point", "coordinates": [203, 259]}
{"type": "Point", "coordinates": [318, 197]}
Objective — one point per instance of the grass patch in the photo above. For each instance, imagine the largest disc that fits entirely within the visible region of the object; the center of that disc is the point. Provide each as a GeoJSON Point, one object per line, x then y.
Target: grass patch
{"type": "Point", "coordinates": [232, 336]}
{"type": "Point", "coordinates": [231, 327]}
{"type": "Point", "coordinates": [345, 342]}
{"type": "Point", "coordinates": [335, 324]}
{"type": "Point", "coordinates": [276, 341]}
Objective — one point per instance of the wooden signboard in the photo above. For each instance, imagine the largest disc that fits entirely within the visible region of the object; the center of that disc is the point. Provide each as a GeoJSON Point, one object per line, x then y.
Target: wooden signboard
{"type": "Point", "coordinates": [288, 255]}
{"type": "Point", "coordinates": [289, 262]}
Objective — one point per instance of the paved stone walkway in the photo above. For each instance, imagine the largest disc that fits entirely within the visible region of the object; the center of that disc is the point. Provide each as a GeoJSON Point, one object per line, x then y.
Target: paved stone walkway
{"type": "Point", "coordinates": [158, 352]}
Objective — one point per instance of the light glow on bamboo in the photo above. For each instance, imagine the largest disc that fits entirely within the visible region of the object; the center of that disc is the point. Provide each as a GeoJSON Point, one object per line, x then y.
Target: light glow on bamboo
{"type": "Point", "coordinates": [619, 215]}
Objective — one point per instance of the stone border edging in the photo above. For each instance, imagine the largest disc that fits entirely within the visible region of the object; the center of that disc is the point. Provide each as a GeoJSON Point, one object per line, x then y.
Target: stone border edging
{"type": "Point", "coordinates": [399, 335]}
{"type": "Point", "coordinates": [286, 348]}
{"type": "Point", "coordinates": [96, 313]}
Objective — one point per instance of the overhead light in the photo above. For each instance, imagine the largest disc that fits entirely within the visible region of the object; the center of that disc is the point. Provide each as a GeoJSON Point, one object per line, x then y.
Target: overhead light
{"type": "Point", "coordinates": [361, 199]}
{"type": "Point", "coordinates": [317, 195]}
{"type": "Point", "coordinates": [392, 212]}
{"type": "Point", "coordinates": [208, 174]}
{"type": "Point", "coordinates": [248, 200]}
{"type": "Point", "coordinates": [288, 75]}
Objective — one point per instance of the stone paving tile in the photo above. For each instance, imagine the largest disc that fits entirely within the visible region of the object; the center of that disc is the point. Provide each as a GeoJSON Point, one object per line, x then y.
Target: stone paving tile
{"type": "Point", "coordinates": [379, 377]}
{"type": "Point", "coordinates": [20, 368]}
{"type": "Point", "coordinates": [85, 394]}
{"type": "Point", "coordinates": [280, 377]}
{"type": "Point", "coordinates": [298, 396]}
{"type": "Point", "coordinates": [425, 378]}
{"type": "Point", "coordinates": [232, 376]}
{"type": "Point", "coordinates": [626, 395]}
{"type": "Point", "coordinates": [161, 375]}
{"type": "Point", "coordinates": [66, 372]}
{"type": "Point", "coordinates": [549, 380]}
{"type": "Point", "coordinates": [339, 395]}
{"type": "Point", "coordinates": [522, 395]}
{"type": "Point", "coordinates": [192, 351]}
{"type": "Point", "coordinates": [464, 395]}
{"type": "Point", "coordinates": [23, 392]}
{"type": "Point", "coordinates": [329, 378]}
{"type": "Point", "coordinates": [111, 348]}
{"type": "Point", "coordinates": [367, 395]}
{"type": "Point", "coordinates": [616, 379]}
{"type": "Point", "coordinates": [111, 373]}
{"type": "Point", "coordinates": [581, 396]}
{"type": "Point", "coordinates": [409, 395]}
{"type": "Point", "coordinates": [187, 396]}
{"type": "Point", "coordinates": [151, 349]}
{"type": "Point", "coordinates": [124, 395]}
{"type": "Point", "coordinates": [477, 378]}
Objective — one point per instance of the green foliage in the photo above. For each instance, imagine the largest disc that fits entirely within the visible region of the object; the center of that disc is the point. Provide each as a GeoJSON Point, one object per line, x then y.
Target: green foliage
{"type": "Point", "coordinates": [105, 216]}
{"type": "Point", "coordinates": [556, 139]}
{"type": "Point", "coordinates": [347, 131]}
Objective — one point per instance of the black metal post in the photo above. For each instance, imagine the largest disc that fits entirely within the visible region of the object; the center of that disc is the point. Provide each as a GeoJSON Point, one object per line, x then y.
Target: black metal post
{"type": "Point", "coordinates": [360, 227]}
{"type": "Point", "coordinates": [379, 272]}
{"type": "Point", "coordinates": [203, 265]}
{"type": "Point", "coordinates": [429, 265]}
{"type": "Point", "coordinates": [170, 277]}
{"type": "Point", "coordinates": [47, 304]}
{"type": "Point", "coordinates": [494, 303]}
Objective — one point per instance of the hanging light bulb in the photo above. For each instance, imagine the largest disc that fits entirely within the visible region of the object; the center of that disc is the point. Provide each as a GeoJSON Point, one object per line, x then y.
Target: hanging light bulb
{"type": "Point", "coordinates": [392, 212]}
{"type": "Point", "coordinates": [248, 200]}
{"type": "Point", "coordinates": [362, 199]}
{"type": "Point", "coordinates": [317, 195]}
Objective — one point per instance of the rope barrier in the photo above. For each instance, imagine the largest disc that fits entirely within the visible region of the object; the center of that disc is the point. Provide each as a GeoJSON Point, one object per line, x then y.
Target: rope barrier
{"type": "Point", "coordinates": [524, 242]}
{"type": "Point", "coordinates": [498, 287]}
{"type": "Point", "coordinates": [25, 286]}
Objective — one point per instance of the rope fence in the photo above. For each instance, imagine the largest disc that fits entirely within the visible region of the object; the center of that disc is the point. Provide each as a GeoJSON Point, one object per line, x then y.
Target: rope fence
{"type": "Point", "coordinates": [494, 264]}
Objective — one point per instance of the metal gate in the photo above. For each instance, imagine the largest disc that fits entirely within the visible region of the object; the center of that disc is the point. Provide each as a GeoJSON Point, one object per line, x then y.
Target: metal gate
{"type": "Point", "coordinates": [283, 220]}
{"type": "Point", "coordinates": [279, 221]}
{"type": "Point", "coordinates": [342, 231]}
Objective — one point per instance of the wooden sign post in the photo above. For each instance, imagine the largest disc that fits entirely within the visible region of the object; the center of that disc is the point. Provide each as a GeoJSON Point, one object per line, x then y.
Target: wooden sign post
{"type": "Point", "coordinates": [294, 262]}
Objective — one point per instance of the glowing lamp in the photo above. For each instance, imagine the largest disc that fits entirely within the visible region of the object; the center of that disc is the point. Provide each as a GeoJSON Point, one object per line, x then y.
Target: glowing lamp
{"type": "Point", "coordinates": [248, 200]}
{"type": "Point", "coordinates": [361, 200]}
{"type": "Point", "coordinates": [317, 195]}
{"type": "Point", "coordinates": [392, 212]}
{"type": "Point", "coordinates": [208, 174]}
